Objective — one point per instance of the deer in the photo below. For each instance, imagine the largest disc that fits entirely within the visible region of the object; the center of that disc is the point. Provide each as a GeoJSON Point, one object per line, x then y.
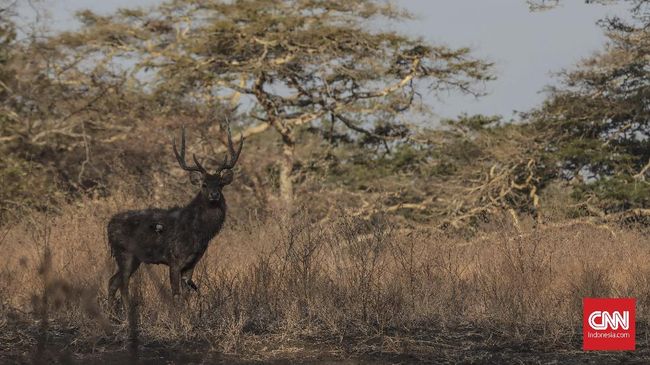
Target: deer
{"type": "Point", "coordinates": [177, 237]}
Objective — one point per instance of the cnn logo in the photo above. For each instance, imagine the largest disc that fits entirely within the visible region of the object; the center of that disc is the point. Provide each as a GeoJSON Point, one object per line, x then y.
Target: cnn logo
{"type": "Point", "coordinates": [608, 324]}
{"type": "Point", "coordinates": [600, 320]}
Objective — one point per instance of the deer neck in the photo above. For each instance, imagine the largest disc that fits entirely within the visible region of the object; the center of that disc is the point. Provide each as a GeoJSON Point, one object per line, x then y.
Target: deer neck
{"type": "Point", "coordinates": [207, 218]}
{"type": "Point", "coordinates": [199, 205]}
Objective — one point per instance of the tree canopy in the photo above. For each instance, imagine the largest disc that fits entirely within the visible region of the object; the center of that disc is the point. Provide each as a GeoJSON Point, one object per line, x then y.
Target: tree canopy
{"type": "Point", "coordinates": [327, 98]}
{"type": "Point", "coordinates": [597, 123]}
{"type": "Point", "coordinates": [296, 63]}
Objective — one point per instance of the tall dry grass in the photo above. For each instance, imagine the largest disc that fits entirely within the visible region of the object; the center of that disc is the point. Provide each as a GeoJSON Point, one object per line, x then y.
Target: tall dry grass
{"type": "Point", "coordinates": [350, 285]}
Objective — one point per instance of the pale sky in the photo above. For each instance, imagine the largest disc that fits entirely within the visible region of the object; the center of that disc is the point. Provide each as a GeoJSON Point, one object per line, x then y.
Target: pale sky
{"type": "Point", "coordinates": [526, 47]}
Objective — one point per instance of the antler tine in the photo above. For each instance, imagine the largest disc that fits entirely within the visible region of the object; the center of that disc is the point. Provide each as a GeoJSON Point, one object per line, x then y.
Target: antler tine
{"type": "Point", "coordinates": [180, 157]}
{"type": "Point", "coordinates": [198, 164]}
{"type": "Point", "coordinates": [230, 160]}
{"type": "Point", "coordinates": [235, 155]}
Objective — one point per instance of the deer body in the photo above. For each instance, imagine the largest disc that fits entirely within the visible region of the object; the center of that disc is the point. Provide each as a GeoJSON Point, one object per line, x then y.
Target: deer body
{"type": "Point", "coordinates": [176, 237]}
{"type": "Point", "coordinates": [182, 232]}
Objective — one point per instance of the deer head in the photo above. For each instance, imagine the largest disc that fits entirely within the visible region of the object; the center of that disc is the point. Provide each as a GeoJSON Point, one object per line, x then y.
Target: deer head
{"type": "Point", "coordinates": [211, 184]}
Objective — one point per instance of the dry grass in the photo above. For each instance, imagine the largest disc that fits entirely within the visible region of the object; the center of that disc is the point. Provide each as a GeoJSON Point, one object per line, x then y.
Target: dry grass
{"type": "Point", "coordinates": [287, 285]}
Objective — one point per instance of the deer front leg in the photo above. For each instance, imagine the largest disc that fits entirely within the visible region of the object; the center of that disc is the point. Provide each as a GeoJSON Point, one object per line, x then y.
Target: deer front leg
{"type": "Point", "coordinates": [186, 276]}
{"type": "Point", "coordinates": [175, 280]}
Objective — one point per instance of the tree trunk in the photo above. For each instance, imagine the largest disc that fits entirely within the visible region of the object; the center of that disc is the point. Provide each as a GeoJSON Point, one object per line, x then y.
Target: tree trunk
{"type": "Point", "coordinates": [286, 169]}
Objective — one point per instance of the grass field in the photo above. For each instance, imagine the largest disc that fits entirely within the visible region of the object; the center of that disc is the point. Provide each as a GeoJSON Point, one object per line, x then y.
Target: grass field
{"type": "Point", "coordinates": [289, 287]}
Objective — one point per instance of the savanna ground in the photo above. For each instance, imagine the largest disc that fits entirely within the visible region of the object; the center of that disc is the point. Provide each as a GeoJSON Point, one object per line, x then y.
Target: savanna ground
{"type": "Point", "coordinates": [289, 287]}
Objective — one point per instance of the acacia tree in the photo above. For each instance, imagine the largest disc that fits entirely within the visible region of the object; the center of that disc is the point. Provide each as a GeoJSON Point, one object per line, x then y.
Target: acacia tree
{"type": "Point", "coordinates": [597, 123]}
{"type": "Point", "coordinates": [61, 112]}
{"type": "Point", "coordinates": [295, 62]}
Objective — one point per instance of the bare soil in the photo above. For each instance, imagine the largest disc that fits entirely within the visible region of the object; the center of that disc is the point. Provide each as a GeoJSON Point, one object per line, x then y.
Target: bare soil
{"type": "Point", "coordinates": [22, 344]}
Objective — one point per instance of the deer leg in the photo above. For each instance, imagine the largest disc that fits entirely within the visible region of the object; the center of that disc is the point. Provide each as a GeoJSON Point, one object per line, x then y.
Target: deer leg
{"type": "Point", "coordinates": [175, 280]}
{"type": "Point", "coordinates": [129, 265]}
{"type": "Point", "coordinates": [113, 284]}
{"type": "Point", "coordinates": [186, 276]}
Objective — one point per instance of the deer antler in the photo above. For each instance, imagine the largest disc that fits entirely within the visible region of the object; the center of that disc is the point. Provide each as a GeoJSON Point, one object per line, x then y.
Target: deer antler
{"type": "Point", "coordinates": [231, 158]}
{"type": "Point", "coordinates": [181, 157]}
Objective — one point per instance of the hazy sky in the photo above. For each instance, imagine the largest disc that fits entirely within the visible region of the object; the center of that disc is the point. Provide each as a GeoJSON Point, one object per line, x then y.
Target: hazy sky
{"type": "Point", "coordinates": [526, 47]}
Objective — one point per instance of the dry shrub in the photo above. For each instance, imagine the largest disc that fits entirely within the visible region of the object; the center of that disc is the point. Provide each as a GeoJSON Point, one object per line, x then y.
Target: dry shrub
{"type": "Point", "coordinates": [357, 284]}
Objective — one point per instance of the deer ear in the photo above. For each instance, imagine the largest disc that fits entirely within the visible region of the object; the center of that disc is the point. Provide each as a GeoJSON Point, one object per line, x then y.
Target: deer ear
{"type": "Point", "coordinates": [196, 178]}
{"type": "Point", "coordinates": [226, 176]}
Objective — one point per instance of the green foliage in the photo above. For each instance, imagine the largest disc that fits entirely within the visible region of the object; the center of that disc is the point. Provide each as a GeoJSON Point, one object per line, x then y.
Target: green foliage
{"type": "Point", "coordinates": [597, 124]}
{"type": "Point", "coordinates": [615, 193]}
{"type": "Point", "coordinates": [474, 122]}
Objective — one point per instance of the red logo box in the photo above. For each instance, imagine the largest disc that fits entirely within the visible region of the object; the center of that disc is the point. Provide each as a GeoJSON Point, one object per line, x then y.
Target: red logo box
{"type": "Point", "coordinates": [608, 324]}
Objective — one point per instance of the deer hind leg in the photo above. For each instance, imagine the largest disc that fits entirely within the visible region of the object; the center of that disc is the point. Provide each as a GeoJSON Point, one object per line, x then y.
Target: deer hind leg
{"type": "Point", "coordinates": [114, 284]}
{"type": "Point", "coordinates": [127, 267]}
{"type": "Point", "coordinates": [115, 281]}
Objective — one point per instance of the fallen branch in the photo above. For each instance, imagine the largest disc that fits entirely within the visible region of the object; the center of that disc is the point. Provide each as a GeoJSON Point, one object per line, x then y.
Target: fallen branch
{"type": "Point", "coordinates": [641, 175]}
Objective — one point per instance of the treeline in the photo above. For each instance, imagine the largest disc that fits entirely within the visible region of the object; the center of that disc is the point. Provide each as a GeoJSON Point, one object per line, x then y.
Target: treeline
{"type": "Point", "coordinates": [321, 97]}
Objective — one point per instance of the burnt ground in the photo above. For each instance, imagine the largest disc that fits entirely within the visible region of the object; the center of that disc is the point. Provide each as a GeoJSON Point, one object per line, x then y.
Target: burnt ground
{"type": "Point", "coordinates": [23, 343]}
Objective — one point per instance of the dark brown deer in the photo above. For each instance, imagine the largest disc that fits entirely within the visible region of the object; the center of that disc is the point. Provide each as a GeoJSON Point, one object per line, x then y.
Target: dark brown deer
{"type": "Point", "coordinates": [176, 237]}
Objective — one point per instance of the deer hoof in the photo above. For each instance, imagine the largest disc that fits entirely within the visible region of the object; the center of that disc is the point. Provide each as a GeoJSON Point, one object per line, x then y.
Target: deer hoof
{"type": "Point", "coordinates": [191, 284]}
{"type": "Point", "coordinates": [176, 300]}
